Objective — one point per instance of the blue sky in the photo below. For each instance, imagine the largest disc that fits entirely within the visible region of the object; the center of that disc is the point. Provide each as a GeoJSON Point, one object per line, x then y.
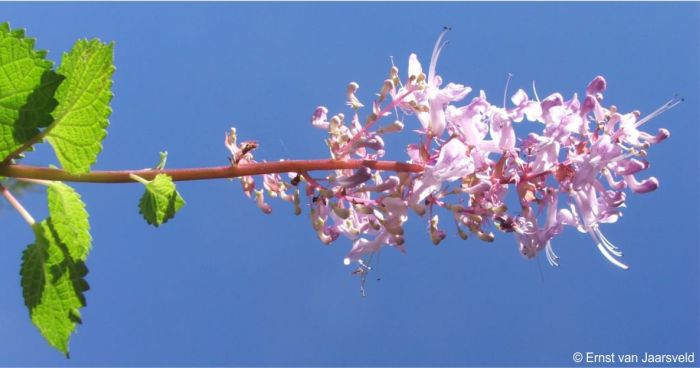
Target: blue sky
{"type": "Point", "coordinates": [223, 284]}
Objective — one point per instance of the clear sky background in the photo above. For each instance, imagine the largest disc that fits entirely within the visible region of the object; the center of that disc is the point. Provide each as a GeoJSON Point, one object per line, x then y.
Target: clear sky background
{"type": "Point", "coordinates": [223, 284]}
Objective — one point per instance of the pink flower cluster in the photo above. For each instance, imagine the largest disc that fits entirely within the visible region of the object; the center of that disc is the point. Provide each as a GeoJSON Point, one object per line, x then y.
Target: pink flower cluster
{"type": "Point", "coordinates": [573, 172]}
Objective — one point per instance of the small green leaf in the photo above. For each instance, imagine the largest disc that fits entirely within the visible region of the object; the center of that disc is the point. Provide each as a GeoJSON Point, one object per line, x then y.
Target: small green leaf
{"type": "Point", "coordinates": [53, 285]}
{"type": "Point", "coordinates": [163, 160]}
{"type": "Point", "coordinates": [69, 219]}
{"type": "Point", "coordinates": [80, 119]}
{"type": "Point", "coordinates": [27, 87]}
{"type": "Point", "coordinates": [161, 200]}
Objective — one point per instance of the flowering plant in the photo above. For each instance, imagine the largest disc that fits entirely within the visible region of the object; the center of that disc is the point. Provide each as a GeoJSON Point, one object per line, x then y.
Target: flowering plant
{"type": "Point", "coordinates": [575, 171]}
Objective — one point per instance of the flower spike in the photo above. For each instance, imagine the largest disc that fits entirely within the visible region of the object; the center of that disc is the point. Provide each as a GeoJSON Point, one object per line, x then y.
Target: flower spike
{"type": "Point", "coordinates": [575, 171]}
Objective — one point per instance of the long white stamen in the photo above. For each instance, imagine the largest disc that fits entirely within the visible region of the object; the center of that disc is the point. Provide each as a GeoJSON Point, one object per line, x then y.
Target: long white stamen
{"type": "Point", "coordinates": [534, 90]}
{"type": "Point", "coordinates": [505, 91]}
{"type": "Point", "coordinates": [551, 256]}
{"type": "Point", "coordinates": [436, 53]}
{"type": "Point", "coordinates": [608, 245]}
{"type": "Point", "coordinates": [610, 258]}
{"type": "Point", "coordinates": [667, 106]}
{"type": "Point", "coordinates": [607, 254]}
{"type": "Point", "coordinates": [364, 264]}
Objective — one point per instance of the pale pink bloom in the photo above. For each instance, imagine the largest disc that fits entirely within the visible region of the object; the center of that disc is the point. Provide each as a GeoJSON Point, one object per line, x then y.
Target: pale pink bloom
{"type": "Point", "coordinates": [561, 118]}
{"type": "Point", "coordinates": [452, 163]}
{"type": "Point", "coordinates": [533, 239]}
{"type": "Point", "coordinates": [602, 153]}
{"type": "Point", "coordinates": [470, 122]}
{"type": "Point", "coordinates": [500, 122]}
{"type": "Point", "coordinates": [391, 217]}
{"type": "Point", "coordinates": [502, 132]}
{"type": "Point", "coordinates": [362, 246]}
{"type": "Point", "coordinates": [590, 213]}
{"type": "Point", "coordinates": [524, 108]}
{"type": "Point", "coordinates": [545, 151]}
{"type": "Point", "coordinates": [430, 95]}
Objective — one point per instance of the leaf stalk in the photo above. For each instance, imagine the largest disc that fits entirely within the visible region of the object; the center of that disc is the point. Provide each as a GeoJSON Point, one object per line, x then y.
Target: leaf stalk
{"type": "Point", "coordinates": [17, 206]}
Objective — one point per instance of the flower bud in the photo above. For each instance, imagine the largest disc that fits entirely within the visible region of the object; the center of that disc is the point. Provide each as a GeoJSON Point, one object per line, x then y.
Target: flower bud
{"type": "Point", "coordinates": [436, 235]}
{"type": "Point", "coordinates": [352, 99]}
{"type": "Point", "coordinates": [487, 237]}
{"type": "Point", "coordinates": [343, 213]}
{"type": "Point", "coordinates": [386, 88]}
{"type": "Point", "coordinates": [318, 119]}
{"type": "Point", "coordinates": [394, 127]}
{"type": "Point", "coordinates": [462, 234]}
{"type": "Point", "coordinates": [360, 176]}
{"type": "Point", "coordinates": [644, 186]}
{"type": "Point", "coordinates": [260, 201]}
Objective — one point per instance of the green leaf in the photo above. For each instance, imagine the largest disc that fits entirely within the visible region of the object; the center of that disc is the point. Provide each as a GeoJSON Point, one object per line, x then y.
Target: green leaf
{"type": "Point", "coordinates": [161, 200]}
{"type": "Point", "coordinates": [83, 105]}
{"type": "Point", "coordinates": [53, 268]}
{"type": "Point", "coordinates": [27, 87]}
{"type": "Point", "coordinates": [53, 285]}
{"type": "Point", "coordinates": [70, 219]}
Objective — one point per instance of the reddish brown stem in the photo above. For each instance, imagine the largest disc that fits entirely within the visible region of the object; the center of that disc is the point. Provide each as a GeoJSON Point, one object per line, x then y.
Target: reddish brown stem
{"type": "Point", "coordinates": [204, 173]}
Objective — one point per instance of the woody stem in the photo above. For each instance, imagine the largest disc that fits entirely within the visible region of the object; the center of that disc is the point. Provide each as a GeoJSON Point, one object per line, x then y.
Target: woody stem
{"type": "Point", "coordinates": [203, 173]}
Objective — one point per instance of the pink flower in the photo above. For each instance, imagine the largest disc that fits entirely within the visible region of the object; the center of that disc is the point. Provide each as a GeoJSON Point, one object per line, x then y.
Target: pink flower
{"type": "Point", "coordinates": [525, 108]}
{"type": "Point", "coordinates": [470, 122]}
{"type": "Point", "coordinates": [452, 163]}
{"type": "Point", "coordinates": [532, 239]}
{"type": "Point", "coordinates": [430, 100]}
{"type": "Point", "coordinates": [590, 214]}
{"type": "Point", "coordinates": [391, 217]}
{"type": "Point", "coordinates": [580, 150]}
